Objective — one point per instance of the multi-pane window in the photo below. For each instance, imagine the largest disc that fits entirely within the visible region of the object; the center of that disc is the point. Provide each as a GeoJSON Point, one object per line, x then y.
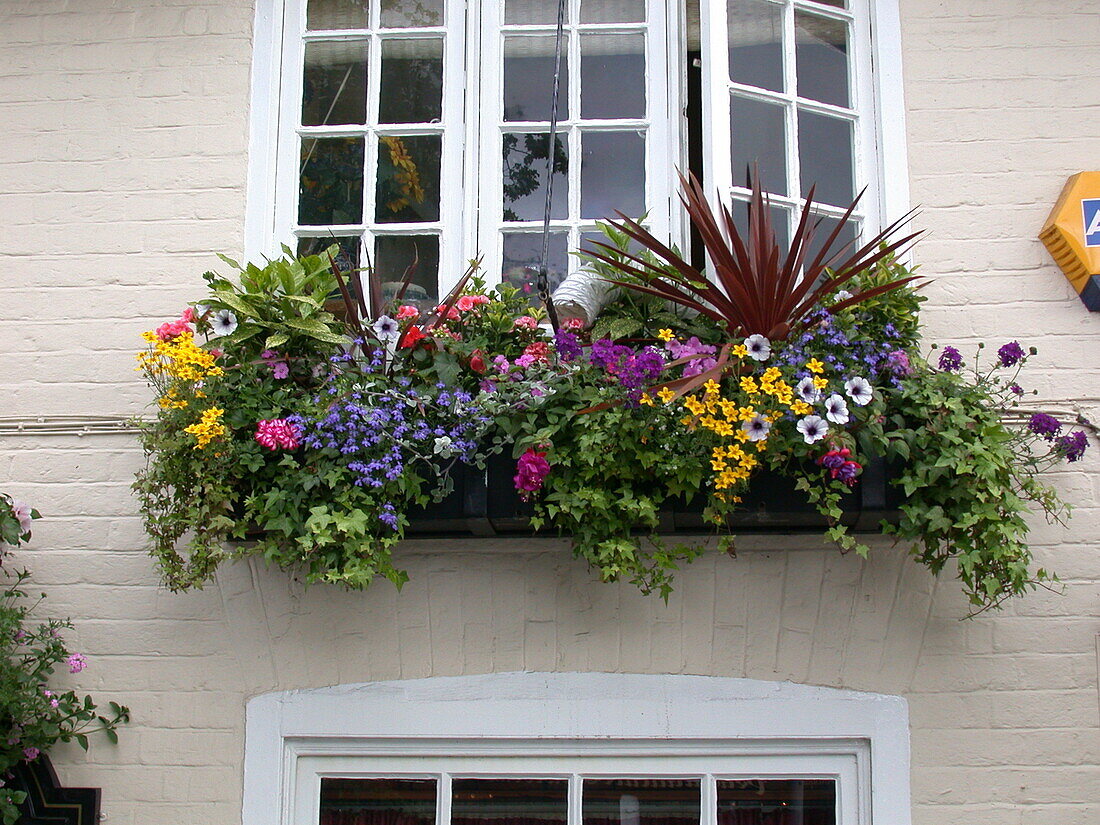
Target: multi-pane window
{"type": "Point", "coordinates": [668, 790]}
{"type": "Point", "coordinates": [419, 129]}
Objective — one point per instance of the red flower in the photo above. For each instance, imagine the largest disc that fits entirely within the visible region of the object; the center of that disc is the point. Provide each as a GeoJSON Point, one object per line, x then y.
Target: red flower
{"type": "Point", "coordinates": [539, 350]}
{"type": "Point", "coordinates": [411, 337]}
{"type": "Point", "coordinates": [477, 363]}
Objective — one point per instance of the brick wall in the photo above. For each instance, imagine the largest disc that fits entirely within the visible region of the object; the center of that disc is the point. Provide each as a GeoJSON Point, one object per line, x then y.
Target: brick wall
{"type": "Point", "coordinates": [122, 169]}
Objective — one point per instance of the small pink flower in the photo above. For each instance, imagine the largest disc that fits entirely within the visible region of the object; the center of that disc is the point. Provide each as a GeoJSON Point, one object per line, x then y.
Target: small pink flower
{"type": "Point", "coordinates": [54, 703]}
{"type": "Point", "coordinates": [30, 754]}
{"type": "Point", "coordinates": [77, 662]}
{"type": "Point", "coordinates": [465, 303]}
{"type": "Point", "coordinates": [188, 315]}
{"type": "Point", "coordinates": [525, 360]}
{"type": "Point", "coordinates": [280, 369]}
{"type": "Point", "coordinates": [573, 324]}
{"type": "Point", "coordinates": [22, 512]}
{"type": "Point", "coordinates": [276, 433]}
{"type": "Point", "coordinates": [481, 299]}
{"type": "Point", "coordinates": [217, 353]}
{"type": "Point", "coordinates": [407, 311]}
{"type": "Point", "coordinates": [525, 322]}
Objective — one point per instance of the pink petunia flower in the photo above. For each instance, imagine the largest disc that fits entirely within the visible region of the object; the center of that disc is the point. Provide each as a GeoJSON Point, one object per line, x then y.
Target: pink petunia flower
{"type": "Point", "coordinates": [277, 433]}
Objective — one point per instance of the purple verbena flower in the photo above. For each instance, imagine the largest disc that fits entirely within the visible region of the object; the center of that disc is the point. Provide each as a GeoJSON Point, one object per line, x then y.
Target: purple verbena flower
{"type": "Point", "coordinates": [950, 359]}
{"type": "Point", "coordinates": [1072, 445]}
{"type": "Point", "coordinates": [1011, 354]}
{"type": "Point", "coordinates": [1045, 426]}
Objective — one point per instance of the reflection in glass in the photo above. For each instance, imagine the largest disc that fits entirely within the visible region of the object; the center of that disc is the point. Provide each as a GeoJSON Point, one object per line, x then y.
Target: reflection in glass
{"type": "Point", "coordinates": [334, 85]}
{"type": "Point", "coordinates": [523, 257]}
{"type": "Point", "coordinates": [780, 223]}
{"type": "Point", "coordinates": [612, 174]}
{"type": "Point", "coordinates": [331, 184]}
{"type": "Point", "coordinates": [524, 182]}
{"type": "Point", "coordinates": [612, 11]}
{"type": "Point", "coordinates": [825, 155]}
{"type": "Point", "coordinates": [347, 257]}
{"type": "Point", "coordinates": [776, 802]}
{"type": "Point", "coordinates": [755, 43]}
{"type": "Point", "coordinates": [412, 81]}
{"type": "Point", "coordinates": [641, 802]}
{"type": "Point", "coordinates": [821, 58]}
{"type": "Point", "coordinates": [377, 801]}
{"type": "Point", "coordinates": [529, 78]}
{"type": "Point", "coordinates": [758, 133]}
{"type": "Point", "coordinates": [407, 189]}
{"type": "Point", "coordinates": [394, 254]}
{"type": "Point", "coordinates": [612, 75]}
{"type": "Point", "coordinates": [508, 801]}
{"type": "Point", "coordinates": [532, 12]}
{"type": "Point", "coordinates": [397, 14]}
{"type": "Point", "coordinates": [337, 14]}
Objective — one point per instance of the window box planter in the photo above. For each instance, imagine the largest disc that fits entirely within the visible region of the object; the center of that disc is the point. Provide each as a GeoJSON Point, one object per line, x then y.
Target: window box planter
{"type": "Point", "coordinates": [486, 503]}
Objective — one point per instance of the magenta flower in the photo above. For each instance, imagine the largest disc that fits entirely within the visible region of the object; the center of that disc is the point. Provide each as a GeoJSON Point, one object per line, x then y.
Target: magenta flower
{"type": "Point", "coordinates": [76, 663]}
{"type": "Point", "coordinates": [950, 359]}
{"type": "Point", "coordinates": [1073, 445]}
{"type": "Point", "coordinates": [277, 433]}
{"type": "Point", "coordinates": [531, 470]}
{"type": "Point", "coordinates": [898, 362]}
{"type": "Point", "coordinates": [1011, 354]}
{"type": "Point", "coordinates": [30, 754]}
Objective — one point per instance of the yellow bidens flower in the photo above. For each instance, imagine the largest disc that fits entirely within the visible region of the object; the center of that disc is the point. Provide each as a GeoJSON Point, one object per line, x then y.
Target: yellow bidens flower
{"type": "Point", "coordinates": [178, 358]}
{"type": "Point", "coordinates": [208, 427]}
{"type": "Point", "coordinates": [665, 334]}
{"type": "Point", "coordinates": [739, 351]}
{"type": "Point", "coordinates": [171, 401]}
{"type": "Point", "coordinates": [819, 382]}
{"type": "Point", "coordinates": [665, 394]}
{"type": "Point", "coordinates": [815, 366]}
{"type": "Point", "coordinates": [646, 399]}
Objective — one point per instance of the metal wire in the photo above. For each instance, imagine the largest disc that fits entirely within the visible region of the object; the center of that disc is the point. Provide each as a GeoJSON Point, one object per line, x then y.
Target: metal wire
{"type": "Point", "coordinates": [543, 276]}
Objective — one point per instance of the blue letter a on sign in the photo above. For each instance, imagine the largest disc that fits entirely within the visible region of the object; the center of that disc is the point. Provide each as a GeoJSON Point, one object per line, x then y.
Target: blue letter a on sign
{"type": "Point", "coordinates": [1091, 209]}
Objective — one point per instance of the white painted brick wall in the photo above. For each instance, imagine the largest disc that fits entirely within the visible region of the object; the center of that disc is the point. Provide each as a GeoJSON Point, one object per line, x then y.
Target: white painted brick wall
{"type": "Point", "coordinates": [123, 169]}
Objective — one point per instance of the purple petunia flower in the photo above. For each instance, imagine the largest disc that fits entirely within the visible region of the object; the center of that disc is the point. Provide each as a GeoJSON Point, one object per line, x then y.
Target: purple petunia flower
{"type": "Point", "coordinates": [1011, 354]}
{"type": "Point", "coordinates": [1072, 445]}
{"type": "Point", "coordinates": [1044, 425]}
{"type": "Point", "coordinates": [950, 359]}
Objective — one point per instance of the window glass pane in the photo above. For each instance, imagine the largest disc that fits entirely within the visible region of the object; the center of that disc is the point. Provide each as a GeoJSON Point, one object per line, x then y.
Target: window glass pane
{"type": "Point", "coordinates": [612, 76]}
{"type": "Point", "coordinates": [821, 234]}
{"type": "Point", "coordinates": [407, 189]}
{"type": "Point", "coordinates": [510, 801]}
{"type": "Point", "coordinates": [396, 14]}
{"type": "Point", "coordinates": [524, 181]}
{"type": "Point", "coordinates": [393, 254]}
{"type": "Point", "coordinates": [756, 43]}
{"type": "Point", "coordinates": [347, 258]}
{"type": "Point", "coordinates": [337, 14]}
{"type": "Point", "coordinates": [821, 58]}
{"type": "Point", "coordinates": [776, 802]}
{"type": "Point", "coordinates": [523, 256]}
{"type": "Point", "coordinates": [612, 11]}
{"type": "Point", "coordinates": [532, 12]}
{"type": "Point", "coordinates": [529, 78]}
{"type": "Point", "coordinates": [411, 82]}
{"type": "Point", "coordinates": [840, 4]}
{"type": "Point", "coordinates": [377, 801]}
{"type": "Point", "coordinates": [612, 174]}
{"type": "Point", "coordinates": [331, 188]}
{"type": "Point", "coordinates": [780, 223]}
{"type": "Point", "coordinates": [825, 155]}
{"type": "Point", "coordinates": [758, 139]}
{"type": "Point", "coordinates": [334, 86]}
{"type": "Point", "coordinates": [641, 802]}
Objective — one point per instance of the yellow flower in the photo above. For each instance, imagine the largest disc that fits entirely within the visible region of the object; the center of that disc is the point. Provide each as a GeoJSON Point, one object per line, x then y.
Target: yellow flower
{"type": "Point", "coordinates": [665, 394]}
{"type": "Point", "coordinates": [820, 382]}
{"type": "Point", "coordinates": [815, 366]}
{"type": "Point", "coordinates": [739, 351]}
{"type": "Point", "coordinates": [748, 385]}
{"type": "Point", "coordinates": [771, 375]}
{"type": "Point", "coordinates": [801, 408]}
{"type": "Point", "coordinates": [646, 399]}
{"type": "Point", "coordinates": [711, 387]}
{"type": "Point", "coordinates": [665, 334]}
{"type": "Point", "coordinates": [208, 427]}
{"type": "Point", "coordinates": [694, 405]}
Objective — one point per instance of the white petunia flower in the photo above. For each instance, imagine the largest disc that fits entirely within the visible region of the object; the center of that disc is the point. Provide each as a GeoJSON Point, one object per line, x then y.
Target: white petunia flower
{"type": "Point", "coordinates": [443, 447]}
{"type": "Point", "coordinates": [859, 390]}
{"type": "Point", "coordinates": [836, 409]}
{"type": "Point", "coordinates": [813, 428]}
{"type": "Point", "coordinates": [807, 391]}
{"type": "Point", "coordinates": [759, 347]}
{"type": "Point", "coordinates": [843, 295]}
{"type": "Point", "coordinates": [757, 427]}
{"type": "Point", "coordinates": [224, 322]}
{"type": "Point", "coordinates": [386, 328]}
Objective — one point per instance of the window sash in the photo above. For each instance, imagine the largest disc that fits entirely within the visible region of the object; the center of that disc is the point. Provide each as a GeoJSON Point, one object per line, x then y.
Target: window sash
{"type": "Point", "coordinates": [861, 112]}
{"type": "Point", "coordinates": [846, 763]}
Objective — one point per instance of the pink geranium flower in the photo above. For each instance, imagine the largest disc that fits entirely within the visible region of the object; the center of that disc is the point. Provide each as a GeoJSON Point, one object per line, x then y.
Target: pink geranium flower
{"type": "Point", "coordinates": [407, 311]}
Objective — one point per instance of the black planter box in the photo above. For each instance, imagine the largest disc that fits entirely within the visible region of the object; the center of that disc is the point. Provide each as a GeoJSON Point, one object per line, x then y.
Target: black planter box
{"type": "Point", "coordinates": [486, 503]}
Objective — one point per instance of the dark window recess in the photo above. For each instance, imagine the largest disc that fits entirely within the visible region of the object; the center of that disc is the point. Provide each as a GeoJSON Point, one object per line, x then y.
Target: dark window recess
{"type": "Point", "coordinates": [48, 803]}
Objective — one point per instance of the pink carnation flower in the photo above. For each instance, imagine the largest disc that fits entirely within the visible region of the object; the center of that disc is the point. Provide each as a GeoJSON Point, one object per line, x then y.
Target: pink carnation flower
{"type": "Point", "coordinates": [276, 433]}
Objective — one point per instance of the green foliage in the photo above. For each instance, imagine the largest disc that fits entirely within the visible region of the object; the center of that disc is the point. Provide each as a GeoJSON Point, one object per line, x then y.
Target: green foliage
{"type": "Point", "coordinates": [34, 716]}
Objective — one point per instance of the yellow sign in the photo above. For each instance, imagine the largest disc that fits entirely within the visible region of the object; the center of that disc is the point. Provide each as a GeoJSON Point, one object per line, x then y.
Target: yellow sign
{"type": "Point", "coordinates": [1072, 235]}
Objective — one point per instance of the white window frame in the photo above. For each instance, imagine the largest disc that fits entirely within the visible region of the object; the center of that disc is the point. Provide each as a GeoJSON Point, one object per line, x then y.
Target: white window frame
{"type": "Point", "coordinates": [876, 107]}
{"type": "Point", "coordinates": [572, 724]}
{"type": "Point", "coordinates": [881, 161]}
